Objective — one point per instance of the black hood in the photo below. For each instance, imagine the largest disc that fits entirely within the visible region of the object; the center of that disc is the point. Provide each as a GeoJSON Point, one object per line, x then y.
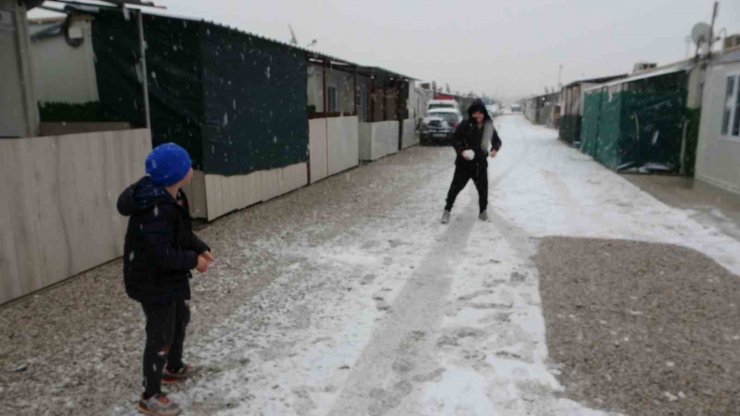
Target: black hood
{"type": "Point", "coordinates": [142, 196]}
{"type": "Point", "coordinates": [478, 105]}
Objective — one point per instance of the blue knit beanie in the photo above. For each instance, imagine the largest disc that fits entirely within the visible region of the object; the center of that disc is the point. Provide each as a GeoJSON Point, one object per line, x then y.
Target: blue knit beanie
{"type": "Point", "coordinates": [168, 164]}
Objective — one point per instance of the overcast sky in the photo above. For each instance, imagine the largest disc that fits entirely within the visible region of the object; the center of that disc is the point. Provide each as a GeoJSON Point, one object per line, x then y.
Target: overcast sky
{"type": "Point", "coordinates": [506, 48]}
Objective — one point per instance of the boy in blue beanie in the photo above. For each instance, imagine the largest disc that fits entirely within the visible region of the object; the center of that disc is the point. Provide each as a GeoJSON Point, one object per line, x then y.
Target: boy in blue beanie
{"type": "Point", "coordinates": [159, 253]}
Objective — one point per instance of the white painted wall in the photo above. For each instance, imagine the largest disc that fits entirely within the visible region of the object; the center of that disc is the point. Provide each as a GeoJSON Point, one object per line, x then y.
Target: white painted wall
{"type": "Point", "coordinates": [213, 196]}
{"type": "Point", "coordinates": [63, 73]}
{"type": "Point", "coordinates": [378, 139]}
{"type": "Point", "coordinates": [530, 110]}
{"type": "Point", "coordinates": [333, 146]}
{"type": "Point", "coordinates": [18, 110]}
{"type": "Point", "coordinates": [317, 152]}
{"type": "Point", "coordinates": [58, 212]}
{"type": "Point", "coordinates": [694, 85]}
{"type": "Point", "coordinates": [418, 100]}
{"type": "Point", "coordinates": [409, 137]}
{"type": "Point", "coordinates": [718, 157]}
{"type": "Point", "coordinates": [365, 133]}
{"type": "Point", "coordinates": [344, 146]}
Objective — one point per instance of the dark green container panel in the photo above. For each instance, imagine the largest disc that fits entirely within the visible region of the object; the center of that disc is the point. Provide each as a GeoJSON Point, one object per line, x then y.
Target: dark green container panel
{"type": "Point", "coordinates": [235, 101]}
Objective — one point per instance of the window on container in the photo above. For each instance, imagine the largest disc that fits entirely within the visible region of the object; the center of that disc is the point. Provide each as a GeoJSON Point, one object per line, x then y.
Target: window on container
{"type": "Point", "coordinates": [730, 99]}
{"type": "Point", "coordinates": [332, 99]}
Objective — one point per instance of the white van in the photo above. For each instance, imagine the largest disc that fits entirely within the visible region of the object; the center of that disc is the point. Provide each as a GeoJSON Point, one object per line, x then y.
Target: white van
{"type": "Point", "coordinates": [435, 104]}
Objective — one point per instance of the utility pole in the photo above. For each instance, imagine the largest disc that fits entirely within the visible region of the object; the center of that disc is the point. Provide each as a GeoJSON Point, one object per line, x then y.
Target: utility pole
{"type": "Point", "coordinates": [711, 30]}
{"type": "Point", "coordinates": [142, 64]}
{"type": "Point", "coordinates": [560, 75]}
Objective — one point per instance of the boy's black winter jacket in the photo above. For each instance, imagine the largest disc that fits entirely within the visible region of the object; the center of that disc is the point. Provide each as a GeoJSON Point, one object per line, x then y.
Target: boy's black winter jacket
{"type": "Point", "coordinates": [160, 247]}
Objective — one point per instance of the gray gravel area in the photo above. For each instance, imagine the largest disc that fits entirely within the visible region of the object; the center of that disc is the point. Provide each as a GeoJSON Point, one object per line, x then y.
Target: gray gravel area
{"type": "Point", "coordinates": [647, 329]}
{"type": "Point", "coordinates": [75, 348]}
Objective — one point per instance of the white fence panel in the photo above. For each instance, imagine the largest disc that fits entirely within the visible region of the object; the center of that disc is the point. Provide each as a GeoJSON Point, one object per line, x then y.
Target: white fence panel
{"type": "Point", "coordinates": [58, 212]}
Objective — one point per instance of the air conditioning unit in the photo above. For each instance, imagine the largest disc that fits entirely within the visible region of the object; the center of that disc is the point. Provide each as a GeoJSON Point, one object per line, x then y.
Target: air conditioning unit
{"type": "Point", "coordinates": [643, 66]}
{"type": "Point", "coordinates": [731, 42]}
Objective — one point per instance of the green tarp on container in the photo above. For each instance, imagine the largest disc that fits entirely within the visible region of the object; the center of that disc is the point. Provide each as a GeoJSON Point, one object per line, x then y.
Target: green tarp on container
{"type": "Point", "coordinates": [572, 107]}
{"type": "Point", "coordinates": [637, 124]}
{"type": "Point", "coordinates": [236, 101]}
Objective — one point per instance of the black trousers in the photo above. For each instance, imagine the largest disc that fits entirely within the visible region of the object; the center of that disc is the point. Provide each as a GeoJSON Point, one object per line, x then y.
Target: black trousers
{"type": "Point", "coordinates": [165, 334]}
{"type": "Point", "coordinates": [464, 173]}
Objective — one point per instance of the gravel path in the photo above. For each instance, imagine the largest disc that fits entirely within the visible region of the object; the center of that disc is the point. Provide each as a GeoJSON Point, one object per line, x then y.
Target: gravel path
{"type": "Point", "coordinates": [74, 349]}
{"type": "Point", "coordinates": [648, 329]}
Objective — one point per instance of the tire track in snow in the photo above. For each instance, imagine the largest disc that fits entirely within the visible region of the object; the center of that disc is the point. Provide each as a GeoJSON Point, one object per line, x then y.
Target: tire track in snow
{"type": "Point", "coordinates": [402, 351]}
{"type": "Point", "coordinates": [400, 348]}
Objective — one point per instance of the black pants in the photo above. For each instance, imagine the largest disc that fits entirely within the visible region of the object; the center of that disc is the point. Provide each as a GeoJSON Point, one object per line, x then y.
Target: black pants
{"type": "Point", "coordinates": [464, 173]}
{"type": "Point", "coordinates": [165, 334]}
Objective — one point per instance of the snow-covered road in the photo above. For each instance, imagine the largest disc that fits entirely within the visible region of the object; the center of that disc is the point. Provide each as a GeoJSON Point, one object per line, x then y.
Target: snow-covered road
{"type": "Point", "coordinates": [403, 316]}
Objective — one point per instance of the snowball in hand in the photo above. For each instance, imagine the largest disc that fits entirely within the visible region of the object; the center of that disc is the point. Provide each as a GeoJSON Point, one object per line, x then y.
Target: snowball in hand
{"type": "Point", "coordinates": [468, 154]}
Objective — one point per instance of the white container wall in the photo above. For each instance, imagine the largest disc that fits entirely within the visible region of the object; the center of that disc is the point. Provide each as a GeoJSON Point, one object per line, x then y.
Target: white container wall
{"type": "Point", "coordinates": [317, 149]}
{"type": "Point", "coordinates": [344, 146]}
{"type": "Point", "coordinates": [63, 73]}
{"type": "Point", "coordinates": [212, 196]}
{"type": "Point", "coordinates": [378, 139]}
{"type": "Point", "coordinates": [718, 155]}
{"type": "Point", "coordinates": [58, 212]}
{"type": "Point", "coordinates": [409, 137]}
{"type": "Point", "coordinates": [333, 146]}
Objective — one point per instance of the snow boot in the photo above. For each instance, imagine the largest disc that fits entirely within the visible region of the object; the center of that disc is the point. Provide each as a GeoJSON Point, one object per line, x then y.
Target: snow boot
{"type": "Point", "coordinates": [483, 216]}
{"type": "Point", "coordinates": [158, 405]}
{"type": "Point", "coordinates": [445, 217]}
{"type": "Point", "coordinates": [181, 374]}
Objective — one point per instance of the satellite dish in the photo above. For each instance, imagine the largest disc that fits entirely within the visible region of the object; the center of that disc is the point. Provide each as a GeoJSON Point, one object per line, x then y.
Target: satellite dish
{"type": "Point", "coordinates": [701, 33]}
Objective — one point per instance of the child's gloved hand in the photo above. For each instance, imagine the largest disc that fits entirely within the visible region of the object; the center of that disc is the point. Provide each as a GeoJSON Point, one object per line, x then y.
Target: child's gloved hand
{"type": "Point", "coordinates": [468, 154]}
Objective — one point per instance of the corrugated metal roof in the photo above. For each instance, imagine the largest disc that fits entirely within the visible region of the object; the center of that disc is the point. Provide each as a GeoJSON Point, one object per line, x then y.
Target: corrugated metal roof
{"type": "Point", "coordinates": [599, 80]}
{"type": "Point", "coordinates": [118, 3]}
{"type": "Point", "coordinates": [309, 53]}
{"type": "Point", "coordinates": [684, 66]}
{"type": "Point", "coordinates": [379, 69]}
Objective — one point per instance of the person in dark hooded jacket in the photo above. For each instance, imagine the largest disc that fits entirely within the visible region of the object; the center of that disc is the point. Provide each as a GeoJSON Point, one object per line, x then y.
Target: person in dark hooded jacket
{"type": "Point", "coordinates": [474, 140]}
{"type": "Point", "coordinates": [159, 253]}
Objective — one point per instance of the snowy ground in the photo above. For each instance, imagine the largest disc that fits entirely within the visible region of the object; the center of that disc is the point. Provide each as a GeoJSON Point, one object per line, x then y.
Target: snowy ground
{"type": "Point", "coordinates": [405, 316]}
{"type": "Point", "coordinates": [370, 306]}
{"type": "Point", "coordinates": [402, 316]}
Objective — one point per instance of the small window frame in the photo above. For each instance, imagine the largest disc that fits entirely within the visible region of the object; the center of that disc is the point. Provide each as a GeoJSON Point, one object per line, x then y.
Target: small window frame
{"type": "Point", "coordinates": [734, 100]}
